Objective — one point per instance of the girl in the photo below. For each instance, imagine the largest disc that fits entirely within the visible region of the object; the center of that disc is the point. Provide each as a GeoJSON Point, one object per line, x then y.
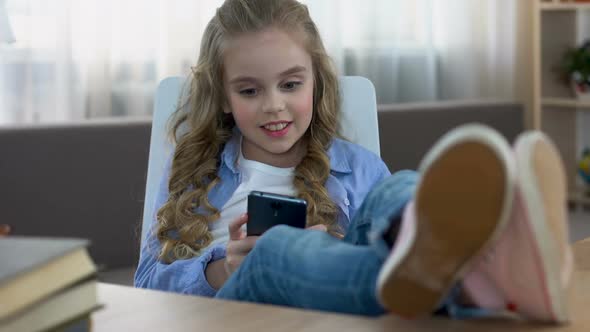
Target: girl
{"type": "Point", "coordinates": [262, 115]}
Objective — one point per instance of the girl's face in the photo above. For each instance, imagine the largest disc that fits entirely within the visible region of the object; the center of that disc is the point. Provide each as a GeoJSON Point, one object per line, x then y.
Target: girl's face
{"type": "Point", "coordinates": [268, 81]}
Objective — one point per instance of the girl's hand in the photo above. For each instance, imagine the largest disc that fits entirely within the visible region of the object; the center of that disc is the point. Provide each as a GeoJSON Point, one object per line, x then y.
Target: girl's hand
{"type": "Point", "coordinates": [239, 244]}
{"type": "Point", "coordinates": [319, 227]}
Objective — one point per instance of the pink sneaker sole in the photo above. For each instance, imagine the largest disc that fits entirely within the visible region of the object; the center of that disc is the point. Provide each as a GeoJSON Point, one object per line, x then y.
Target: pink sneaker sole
{"type": "Point", "coordinates": [462, 202]}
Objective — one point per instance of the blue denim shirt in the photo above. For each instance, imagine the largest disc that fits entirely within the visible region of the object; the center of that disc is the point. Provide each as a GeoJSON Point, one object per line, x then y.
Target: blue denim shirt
{"type": "Point", "coordinates": [353, 172]}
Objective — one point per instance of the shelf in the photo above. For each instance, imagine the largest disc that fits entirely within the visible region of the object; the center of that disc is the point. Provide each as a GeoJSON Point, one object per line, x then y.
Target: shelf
{"type": "Point", "coordinates": [579, 198]}
{"type": "Point", "coordinates": [567, 102]}
{"type": "Point", "coordinates": [565, 6]}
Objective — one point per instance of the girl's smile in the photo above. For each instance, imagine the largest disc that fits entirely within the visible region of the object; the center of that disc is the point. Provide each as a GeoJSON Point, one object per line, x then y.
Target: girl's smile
{"type": "Point", "coordinates": [276, 129]}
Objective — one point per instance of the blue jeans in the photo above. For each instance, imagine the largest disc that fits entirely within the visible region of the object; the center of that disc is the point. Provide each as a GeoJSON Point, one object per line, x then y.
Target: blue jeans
{"type": "Point", "coordinates": [311, 269]}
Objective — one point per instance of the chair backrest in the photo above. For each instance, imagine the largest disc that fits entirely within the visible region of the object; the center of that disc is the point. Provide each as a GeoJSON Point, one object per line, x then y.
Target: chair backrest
{"type": "Point", "coordinates": [358, 124]}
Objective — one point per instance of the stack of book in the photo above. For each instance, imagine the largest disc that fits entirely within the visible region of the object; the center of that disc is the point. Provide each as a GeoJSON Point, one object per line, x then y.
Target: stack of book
{"type": "Point", "coordinates": [46, 283]}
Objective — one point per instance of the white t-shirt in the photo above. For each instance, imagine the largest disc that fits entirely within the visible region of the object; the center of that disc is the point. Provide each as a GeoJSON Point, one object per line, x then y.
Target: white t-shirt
{"type": "Point", "coordinates": [255, 176]}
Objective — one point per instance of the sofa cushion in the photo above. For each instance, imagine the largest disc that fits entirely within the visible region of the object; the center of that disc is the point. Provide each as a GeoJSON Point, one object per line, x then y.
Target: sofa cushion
{"type": "Point", "coordinates": [407, 131]}
{"type": "Point", "coordinates": [81, 180]}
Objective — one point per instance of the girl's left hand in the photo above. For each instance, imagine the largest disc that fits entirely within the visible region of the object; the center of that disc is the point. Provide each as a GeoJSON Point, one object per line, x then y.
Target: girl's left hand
{"type": "Point", "coordinates": [319, 227]}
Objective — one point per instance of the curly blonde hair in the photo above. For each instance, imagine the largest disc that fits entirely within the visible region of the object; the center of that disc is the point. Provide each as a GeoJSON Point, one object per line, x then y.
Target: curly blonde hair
{"type": "Point", "coordinates": [196, 159]}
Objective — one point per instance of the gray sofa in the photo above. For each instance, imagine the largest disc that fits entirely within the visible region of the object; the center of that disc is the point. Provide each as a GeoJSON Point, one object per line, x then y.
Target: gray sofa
{"type": "Point", "coordinates": [87, 180]}
{"type": "Point", "coordinates": [407, 131]}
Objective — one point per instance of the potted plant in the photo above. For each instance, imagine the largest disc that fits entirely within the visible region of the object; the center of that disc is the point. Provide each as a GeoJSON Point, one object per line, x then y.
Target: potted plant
{"type": "Point", "coordinates": [576, 67]}
{"type": "Point", "coordinates": [584, 169]}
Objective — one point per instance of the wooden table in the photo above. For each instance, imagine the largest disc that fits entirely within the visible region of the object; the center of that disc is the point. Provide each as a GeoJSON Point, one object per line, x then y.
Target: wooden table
{"type": "Point", "coordinates": [131, 309]}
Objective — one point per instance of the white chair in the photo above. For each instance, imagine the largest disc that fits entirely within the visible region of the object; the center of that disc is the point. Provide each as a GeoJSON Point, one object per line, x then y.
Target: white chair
{"type": "Point", "coordinates": [358, 124]}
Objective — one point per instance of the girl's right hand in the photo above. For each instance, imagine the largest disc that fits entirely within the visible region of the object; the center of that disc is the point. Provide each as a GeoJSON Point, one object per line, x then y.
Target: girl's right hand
{"type": "Point", "coordinates": [239, 244]}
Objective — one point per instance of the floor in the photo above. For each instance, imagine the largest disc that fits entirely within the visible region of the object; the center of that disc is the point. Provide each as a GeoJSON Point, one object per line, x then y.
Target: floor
{"type": "Point", "coordinates": [579, 229]}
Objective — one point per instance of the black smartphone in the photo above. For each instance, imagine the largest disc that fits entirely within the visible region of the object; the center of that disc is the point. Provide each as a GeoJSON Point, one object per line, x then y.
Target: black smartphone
{"type": "Point", "coordinates": [267, 209]}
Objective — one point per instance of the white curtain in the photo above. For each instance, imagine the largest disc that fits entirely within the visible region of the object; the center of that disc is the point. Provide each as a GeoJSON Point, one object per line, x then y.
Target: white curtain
{"type": "Point", "coordinates": [424, 50]}
{"type": "Point", "coordinates": [75, 59]}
